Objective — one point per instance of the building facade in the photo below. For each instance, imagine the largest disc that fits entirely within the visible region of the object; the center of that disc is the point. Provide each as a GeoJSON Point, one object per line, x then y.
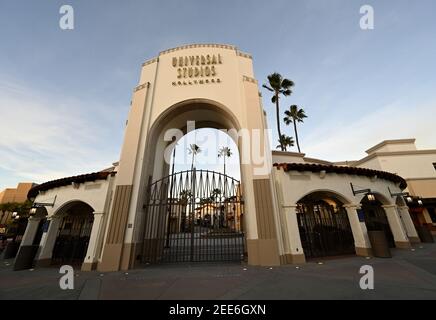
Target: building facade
{"type": "Point", "coordinates": [286, 208]}
{"type": "Point", "coordinates": [417, 167]}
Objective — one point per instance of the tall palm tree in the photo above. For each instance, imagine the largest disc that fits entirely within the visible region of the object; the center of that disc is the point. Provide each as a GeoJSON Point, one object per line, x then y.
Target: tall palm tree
{"type": "Point", "coordinates": [224, 152]}
{"type": "Point", "coordinates": [285, 142]}
{"type": "Point", "coordinates": [279, 86]}
{"type": "Point", "coordinates": [194, 150]}
{"type": "Point", "coordinates": [294, 115]}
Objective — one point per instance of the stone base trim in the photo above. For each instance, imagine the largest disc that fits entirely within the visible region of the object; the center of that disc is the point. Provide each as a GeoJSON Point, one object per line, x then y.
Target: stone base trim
{"type": "Point", "coordinates": [363, 252]}
{"type": "Point", "coordinates": [42, 263]}
{"type": "Point", "coordinates": [111, 258]}
{"type": "Point", "coordinates": [89, 266]}
{"type": "Point", "coordinates": [414, 240]}
{"type": "Point", "coordinates": [263, 252]}
{"type": "Point", "coordinates": [403, 244]}
{"type": "Point", "coordinates": [292, 259]}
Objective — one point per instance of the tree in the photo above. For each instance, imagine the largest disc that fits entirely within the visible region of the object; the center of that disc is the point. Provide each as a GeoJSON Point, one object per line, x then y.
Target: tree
{"type": "Point", "coordinates": [278, 86]}
{"type": "Point", "coordinates": [224, 152]}
{"type": "Point", "coordinates": [285, 142]}
{"type": "Point", "coordinates": [216, 193]}
{"type": "Point", "coordinates": [185, 196]}
{"type": "Point", "coordinates": [194, 150]}
{"type": "Point", "coordinates": [294, 115]}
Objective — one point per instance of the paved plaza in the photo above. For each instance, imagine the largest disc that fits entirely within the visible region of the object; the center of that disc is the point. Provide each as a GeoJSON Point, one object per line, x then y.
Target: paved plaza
{"type": "Point", "coordinates": [410, 274]}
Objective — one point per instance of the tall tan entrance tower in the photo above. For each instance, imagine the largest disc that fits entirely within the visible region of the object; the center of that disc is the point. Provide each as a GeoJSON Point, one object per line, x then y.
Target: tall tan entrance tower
{"type": "Point", "coordinates": [214, 86]}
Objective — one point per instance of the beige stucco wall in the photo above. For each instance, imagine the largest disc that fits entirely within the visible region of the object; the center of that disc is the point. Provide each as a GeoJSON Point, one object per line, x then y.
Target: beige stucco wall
{"type": "Point", "coordinates": [425, 188]}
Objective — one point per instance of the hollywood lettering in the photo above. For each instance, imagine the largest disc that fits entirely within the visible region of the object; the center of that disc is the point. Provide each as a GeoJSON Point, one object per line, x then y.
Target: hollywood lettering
{"type": "Point", "coordinates": [198, 66]}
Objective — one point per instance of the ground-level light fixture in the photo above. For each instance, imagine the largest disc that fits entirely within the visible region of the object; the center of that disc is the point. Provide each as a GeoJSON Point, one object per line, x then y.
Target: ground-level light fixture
{"type": "Point", "coordinates": [14, 214]}
{"type": "Point", "coordinates": [420, 202]}
{"type": "Point", "coordinates": [409, 199]}
{"type": "Point", "coordinates": [32, 211]}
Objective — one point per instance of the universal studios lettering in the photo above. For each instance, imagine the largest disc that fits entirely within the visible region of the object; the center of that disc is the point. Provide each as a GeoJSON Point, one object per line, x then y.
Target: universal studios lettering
{"type": "Point", "coordinates": [198, 66]}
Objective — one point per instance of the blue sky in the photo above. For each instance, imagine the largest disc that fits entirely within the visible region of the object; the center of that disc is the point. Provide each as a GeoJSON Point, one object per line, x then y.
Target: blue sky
{"type": "Point", "coordinates": [64, 95]}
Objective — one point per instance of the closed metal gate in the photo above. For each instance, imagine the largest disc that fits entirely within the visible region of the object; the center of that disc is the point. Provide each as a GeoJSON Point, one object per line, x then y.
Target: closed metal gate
{"type": "Point", "coordinates": [324, 231]}
{"type": "Point", "coordinates": [73, 238]}
{"type": "Point", "coordinates": [194, 216]}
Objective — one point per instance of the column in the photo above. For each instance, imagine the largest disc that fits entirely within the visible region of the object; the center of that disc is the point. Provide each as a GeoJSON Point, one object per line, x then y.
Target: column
{"type": "Point", "coordinates": [31, 229]}
{"type": "Point", "coordinates": [360, 233]}
{"type": "Point", "coordinates": [293, 247]}
{"type": "Point", "coordinates": [92, 254]}
{"type": "Point", "coordinates": [400, 236]}
{"type": "Point", "coordinates": [27, 251]}
{"type": "Point", "coordinates": [48, 241]}
{"type": "Point", "coordinates": [411, 232]}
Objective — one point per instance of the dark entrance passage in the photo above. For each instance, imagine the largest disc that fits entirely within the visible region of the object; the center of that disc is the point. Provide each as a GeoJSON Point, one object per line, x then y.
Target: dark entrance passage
{"type": "Point", "coordinates": [194, 216]}
{"type": "Point", "coordinates": [73, 236]}
{"type": "Point", "coordinates": [324, 227]}
{"type": "Point", "coordinates": [376, 220]}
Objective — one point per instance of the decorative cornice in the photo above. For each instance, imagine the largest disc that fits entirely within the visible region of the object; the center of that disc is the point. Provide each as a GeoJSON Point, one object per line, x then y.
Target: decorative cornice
{"type": "Point", "coordinates": [194, 46]}
{"type": "Point", "coordinates": [142, 86]}
{"type": "Point", "coordinates": [393, 153]}
{"type": "Point", "coordinates": [146, 63]}
{"type": "Point", "coordinates": [385, 142]}
{"type": "Point", "coordinates": [244, 55]}
{"type": "Point", "coordinates": [248, 79]}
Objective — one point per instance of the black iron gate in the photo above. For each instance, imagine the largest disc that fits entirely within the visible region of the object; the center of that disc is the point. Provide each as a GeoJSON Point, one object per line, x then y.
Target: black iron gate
{"type": "Point", "coordinates": [376, 220]}
{"type": "Point", "coordinates": [324, 231]}
{"type": "Point", "coordinates": [194, 216]}
{"type": "Point", "coordinates": [73, 238]}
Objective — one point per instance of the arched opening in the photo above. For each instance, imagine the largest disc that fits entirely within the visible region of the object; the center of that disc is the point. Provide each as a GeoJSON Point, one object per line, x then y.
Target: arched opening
{"type": "Point", "coordinates": [41, 214]}
{"type": "Point", "coordinates": [324, 226]}
{"type": "Point", "coordinates": [73, 235]}
{"type": "Point", "coordinates": [375, 216]}
{"type": "Point", "coordinates": [196, 212]}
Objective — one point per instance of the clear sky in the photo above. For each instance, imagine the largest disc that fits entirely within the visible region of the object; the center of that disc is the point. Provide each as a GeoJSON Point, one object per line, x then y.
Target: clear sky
{"type": "Point", "coordinates": [64, 95]}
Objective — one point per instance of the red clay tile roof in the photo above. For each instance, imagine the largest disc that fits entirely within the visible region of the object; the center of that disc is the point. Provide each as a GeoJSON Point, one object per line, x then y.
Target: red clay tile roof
{"type": "Point", "coordinates": [342, 170]}
{"type": "Point", "coordinates": [102, 175]}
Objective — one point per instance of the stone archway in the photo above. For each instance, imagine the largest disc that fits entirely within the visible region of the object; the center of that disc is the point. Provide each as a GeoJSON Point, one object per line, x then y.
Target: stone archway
{"type": "Point", "coordinates": [73, 235]}
{"type": "Point", "coordinates": [375, 216]}
{"type": "Point", "coordinates": [324, 226]}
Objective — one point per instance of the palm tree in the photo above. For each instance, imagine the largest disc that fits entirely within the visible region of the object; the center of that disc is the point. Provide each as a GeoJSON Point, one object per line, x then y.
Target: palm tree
{"type": "Point", "coordinates": [184, 196]}
{"type": "Point", "coordinates": [278, 85]}
{"type": "Point", "coordinates": [294, 115]}
{"type": "Point", "coordinates": [215, 194]}
{"type": "Point", "coordinates": [285, 142]}
{"type": "Point", "coordinates": [225, 152]}
{"type": "Point", "coordinates": [194, 150]}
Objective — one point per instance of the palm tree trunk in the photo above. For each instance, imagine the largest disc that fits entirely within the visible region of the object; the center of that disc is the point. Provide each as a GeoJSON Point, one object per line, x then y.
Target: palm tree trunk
{"type": "Point", "coordinates": [296, 136]}
{"type": "Point", "coordinates": [192, 163]}
{"type": "Point", "coordinates": [278, 122]}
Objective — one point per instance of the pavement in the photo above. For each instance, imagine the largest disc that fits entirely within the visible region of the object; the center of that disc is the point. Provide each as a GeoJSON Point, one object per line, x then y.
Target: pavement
{"type": "Point", "coordinates": [410, 274]}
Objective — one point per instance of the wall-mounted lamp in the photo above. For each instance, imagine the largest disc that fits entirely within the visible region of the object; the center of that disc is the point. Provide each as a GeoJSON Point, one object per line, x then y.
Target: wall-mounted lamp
{"type": "Point", "coordinates": [32, 211]}
{"type": "Point", "coordinates": [409, 199]}
{"type": "Point", "coordinates": [370, 197]}
{"type": "Point", "coordinates": [420, 202]}
{"type": "Point", "coordinates": [359, 191]}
